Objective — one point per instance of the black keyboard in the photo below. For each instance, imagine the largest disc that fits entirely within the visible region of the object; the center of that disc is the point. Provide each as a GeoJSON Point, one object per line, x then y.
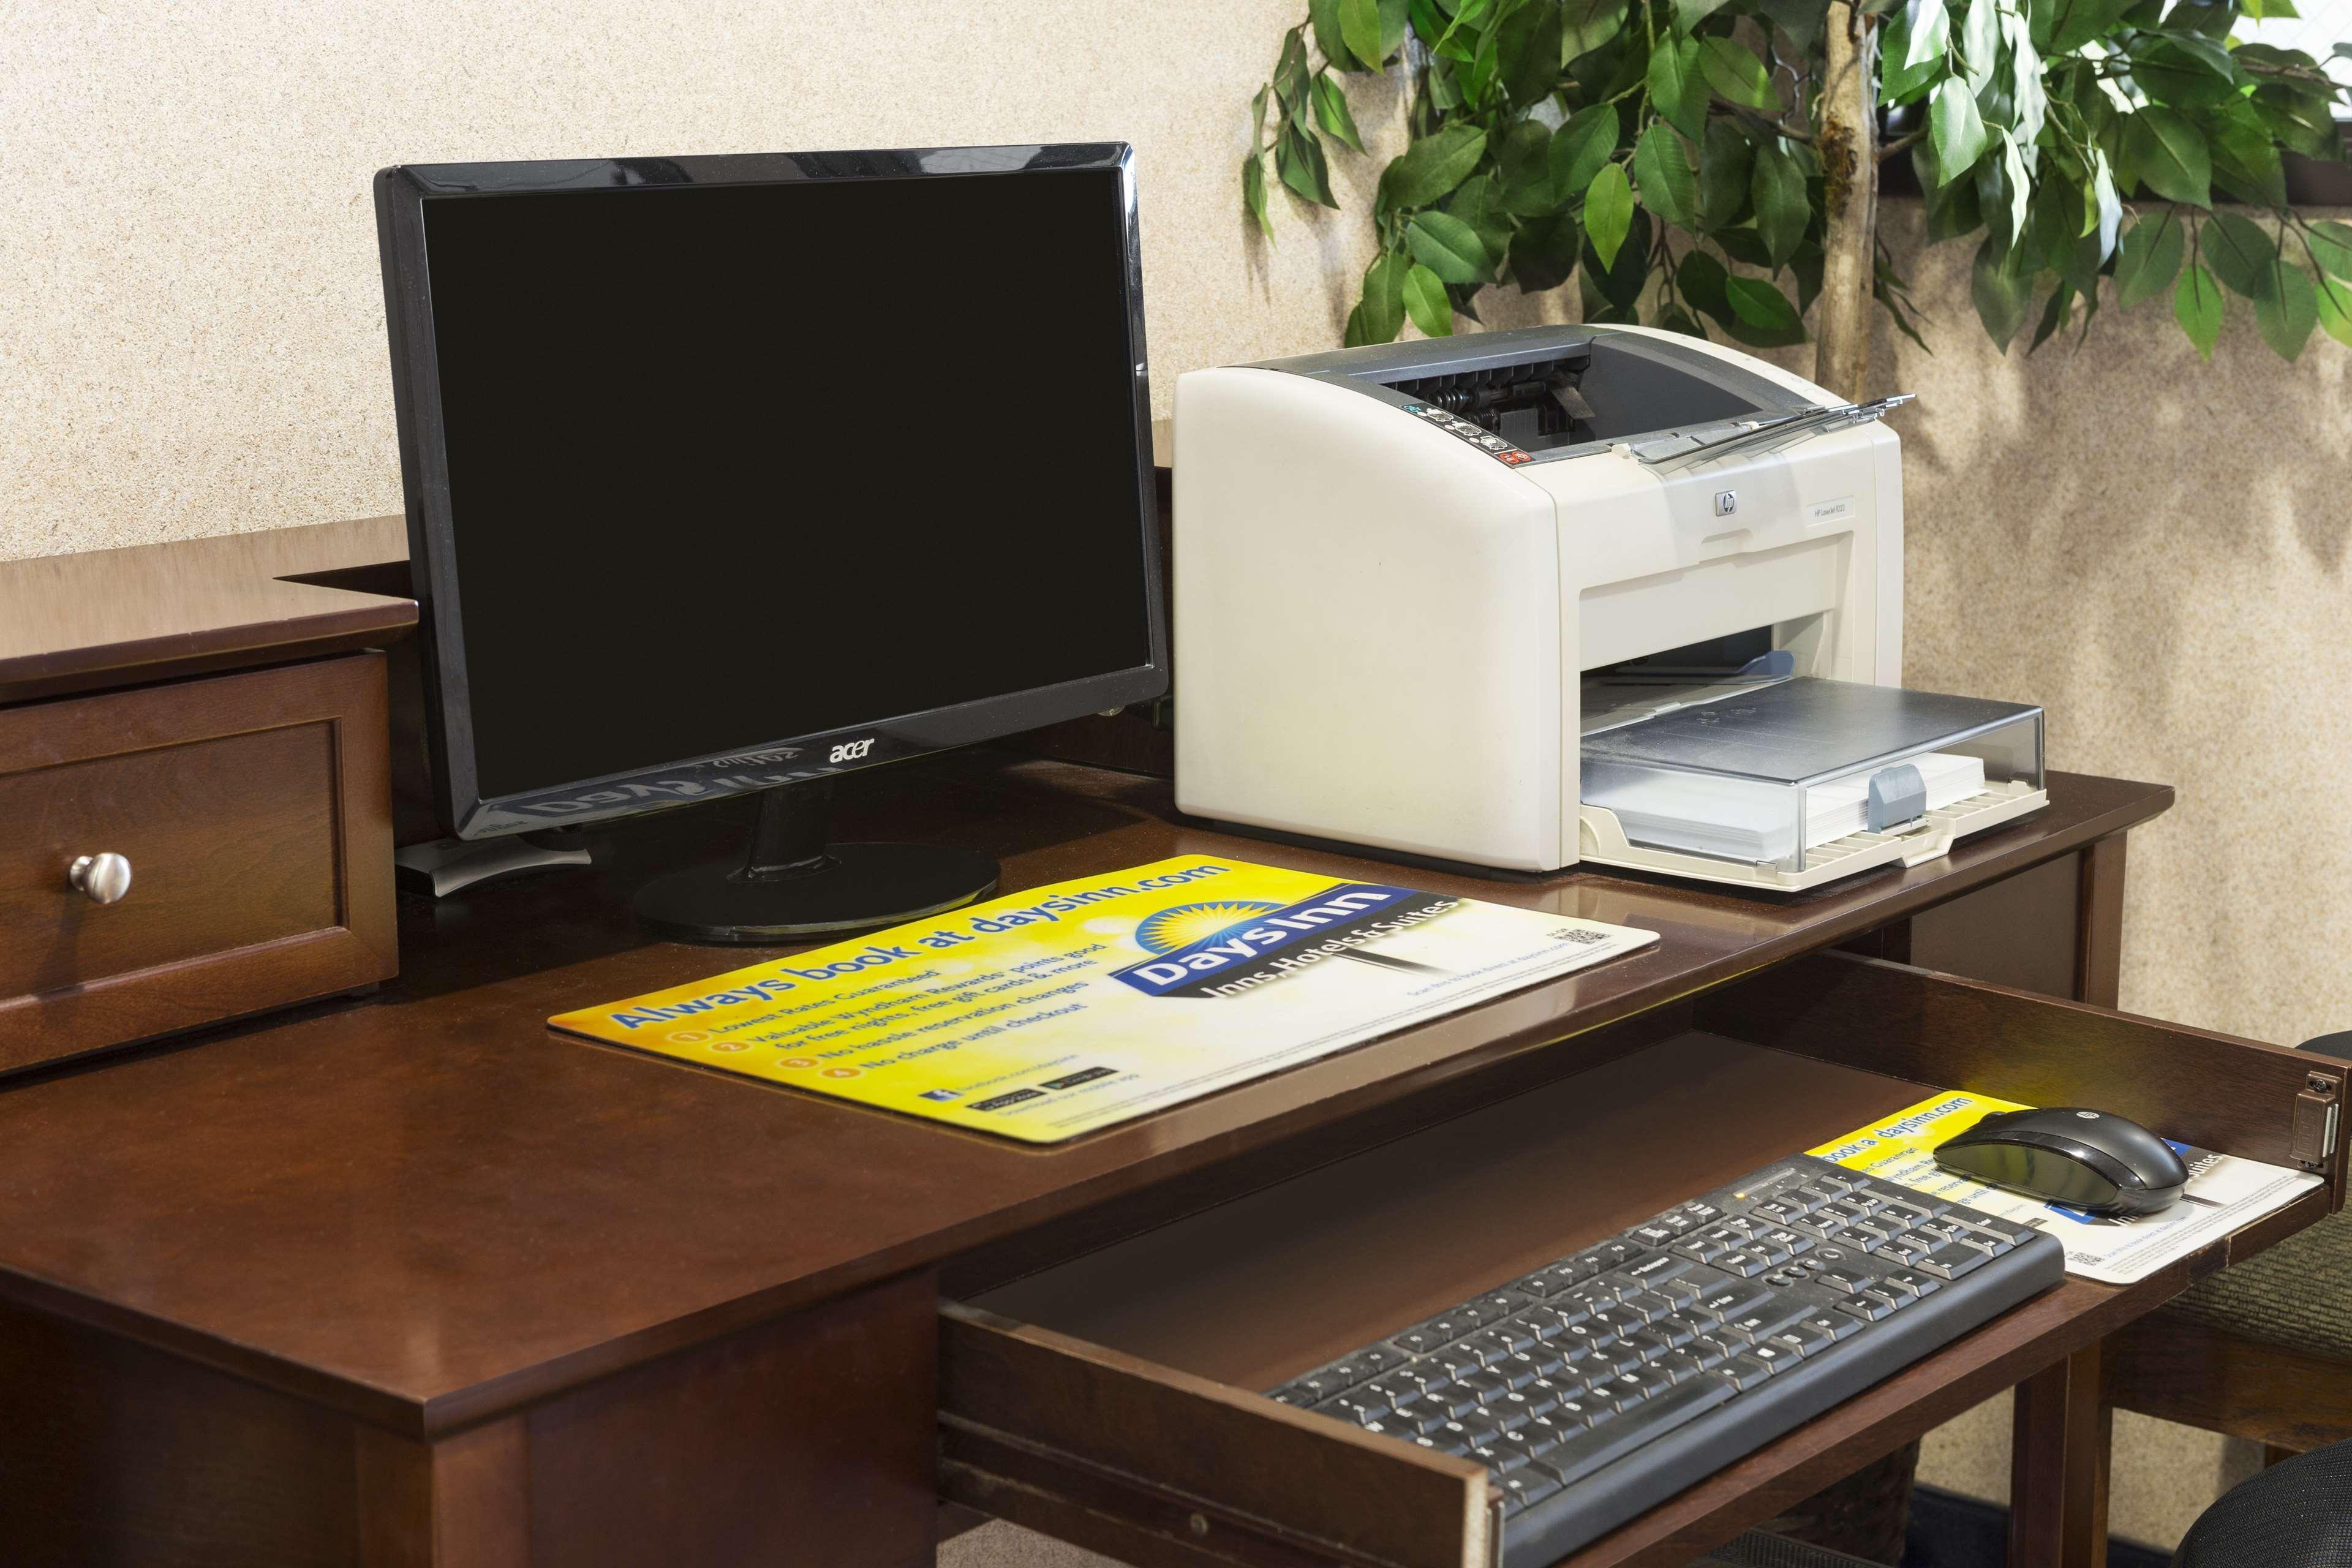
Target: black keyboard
{"type": "Point", "coordinates": [1603, 1384]}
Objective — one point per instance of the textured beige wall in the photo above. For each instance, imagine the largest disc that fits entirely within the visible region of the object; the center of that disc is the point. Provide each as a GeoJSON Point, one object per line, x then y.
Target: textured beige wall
{"type": "Point", "coordinates": [191, 327]}
{"type": "Point", "coordinates": [191, 342]}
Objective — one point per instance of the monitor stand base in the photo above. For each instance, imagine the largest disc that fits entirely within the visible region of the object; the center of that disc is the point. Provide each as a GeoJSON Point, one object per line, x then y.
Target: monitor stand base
{"type": "Point", "coordinates": [794, 885]}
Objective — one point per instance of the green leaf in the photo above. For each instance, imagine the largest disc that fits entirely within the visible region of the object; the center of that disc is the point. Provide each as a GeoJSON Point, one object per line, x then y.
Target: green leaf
{"type": "Point", "coordinates": [1737, 74]}
{"type": "Point", "coordinates": [2331, 246]}
{"type": "Point", "coordinates": [1257, 118]}
{"type": "Point", "coordinates": [2197, 306]}
{"type": "Point", "coordinates": [1689, 14]}
{"type": "Point", "coordinates": [1360, 29]}
{"type": "Point", "coordinates": [2106, 219]}
{"type": "Point", "coordinates": [1523, 163]}
{"type": "Point", "coordinates": [2074, 23]}
{"type": "Point", "coordinates": [2172, 71]}
{"type": "Point", "coordinates": [1383, 303]}
{"type": "Point", "coordinates": [1587, 25]}
{"type": "Point", "coordinates": [2237, 253]}
{"type": "Point", "coordinates": [1676, 89]}
{"type": "Point", "coordinates": [1448, 246]}
{"type": "Point", "coordinates": [1979, 42]}
{"type": "Point", "coordinates": [1433, 166]}
{"type": "Point", "coordinates": [1953, 211]}
{"type": "Point", "coordinates": [1452, 41]}
{"type": "Point", "coordinates": [1956, 127]}
{"type": "Point", "coordinates": [2170, 155]}
{"type": "Point", "coordinates": [1395, 21]}
{"type": "Point", "coordinates": [2334, 301]}
{"type": "Point", "coordinates": [1607, 212]}
{"type": "Point", "coordinates": [1703, 281]}
{"type": "Point", "coordinates": [2246, 159]}
{"type": "Point", "coordinates": [1331, 111]}
{"type": "Point", "coordinates": [1304, 170]}
{"type": "Point", "coordinates": [1611, 292]}
{"type": "Point", "coordinates": [1253, 192]}
{"type": "Point", "coordinates": [1478, 201]}
{"type": "Point", "coordinates": [1725, 160]}
{"type": "Point", "coordinates": [1802, 20]}
{"type": "Point", "coordinates": [2151, 258]}
{"type": "Point", "coordinates": [1425, 302]}
{"type": "Point", "coordinates": [2286, 307]}
{"type": "Point", "coordinates": [1926, 39]}
{"type": "Point", "coordinates": [1324, 16]}
{"type": "Point", "coordinates": [1662, 166]}
{"type": "Point", "coordinates": [1674, 319]}
{"type": "Point", "coordinates": [1527, 44]}
{"type": "Point", "coordinates": [2053, 315]}
{"type": "Point", "coordinates": [1782, 209]}
{"type": "Point", "coordinates": [1580, 147]}
{"type": "Point", "coordinates": [2300, 119]}
{"type": "Point", "coordinates": [1543, 251]}
{"type": "Point", "coordinates": [2002, 293]}
{"type": "Point", "coordinates": [1762, 316]}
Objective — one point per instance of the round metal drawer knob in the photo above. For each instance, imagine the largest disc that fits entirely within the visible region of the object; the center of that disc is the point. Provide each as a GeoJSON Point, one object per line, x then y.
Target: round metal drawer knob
{"type": "Point", "coordinates": [102, 878]}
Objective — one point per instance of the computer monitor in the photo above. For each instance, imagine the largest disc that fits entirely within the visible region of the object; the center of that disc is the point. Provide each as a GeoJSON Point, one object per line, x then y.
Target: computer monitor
{"type": "Point", "coordinates": [733, 473]}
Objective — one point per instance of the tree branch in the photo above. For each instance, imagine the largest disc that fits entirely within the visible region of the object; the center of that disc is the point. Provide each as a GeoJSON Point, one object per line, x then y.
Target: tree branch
{"type": "Point", "coordinates": [1764, 123]}
{"type": "Point", "coordinates": [1902, 143]}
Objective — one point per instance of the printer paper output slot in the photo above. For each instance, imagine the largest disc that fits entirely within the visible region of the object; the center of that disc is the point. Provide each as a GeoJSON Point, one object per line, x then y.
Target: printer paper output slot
{"type": "Point", "coordinates": [1764, 433]}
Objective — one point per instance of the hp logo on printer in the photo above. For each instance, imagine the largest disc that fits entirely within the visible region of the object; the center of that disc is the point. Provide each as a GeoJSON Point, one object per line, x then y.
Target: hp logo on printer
{"type": "Point", "coordinates": [850, 751]}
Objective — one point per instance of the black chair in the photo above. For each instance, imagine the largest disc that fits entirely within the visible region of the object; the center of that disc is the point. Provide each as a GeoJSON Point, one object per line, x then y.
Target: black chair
{"type": "Point", "coordinates": [2295, 1514]}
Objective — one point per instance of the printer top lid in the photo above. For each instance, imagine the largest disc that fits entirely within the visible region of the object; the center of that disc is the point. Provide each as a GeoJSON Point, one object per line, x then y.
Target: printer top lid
{"type": "Point", "coordinates": [1565, 392]}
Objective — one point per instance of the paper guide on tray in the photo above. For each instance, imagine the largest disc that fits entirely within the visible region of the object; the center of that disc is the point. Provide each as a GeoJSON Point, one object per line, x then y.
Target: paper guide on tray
{"type": "Point", "coordinates": [1742, 819]}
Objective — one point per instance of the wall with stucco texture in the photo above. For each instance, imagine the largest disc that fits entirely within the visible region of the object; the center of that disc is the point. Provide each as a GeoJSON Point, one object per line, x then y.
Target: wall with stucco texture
{"type": "Point", "coordinates": [190, 333]}
{"type": "Point", "coordinates": [190, 344]}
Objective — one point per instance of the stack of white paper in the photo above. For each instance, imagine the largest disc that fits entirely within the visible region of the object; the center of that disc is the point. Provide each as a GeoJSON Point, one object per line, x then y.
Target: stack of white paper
{"type": "Point", "coordinates": [1747, 819]}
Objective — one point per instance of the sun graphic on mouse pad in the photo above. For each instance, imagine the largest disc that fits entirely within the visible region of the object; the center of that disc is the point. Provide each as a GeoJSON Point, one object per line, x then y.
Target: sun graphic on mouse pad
{"type": "Point", "coordinates": [1181, 925]}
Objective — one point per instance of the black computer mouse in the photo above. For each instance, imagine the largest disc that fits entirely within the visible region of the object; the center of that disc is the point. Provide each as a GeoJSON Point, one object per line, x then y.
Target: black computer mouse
{"type": "Point", "coordinates": [2088, 1160]}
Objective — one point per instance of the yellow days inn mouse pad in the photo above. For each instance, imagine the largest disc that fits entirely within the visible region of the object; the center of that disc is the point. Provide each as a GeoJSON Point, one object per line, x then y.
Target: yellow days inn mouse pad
{"type": "Point", "coordinates": [1080, 1005]}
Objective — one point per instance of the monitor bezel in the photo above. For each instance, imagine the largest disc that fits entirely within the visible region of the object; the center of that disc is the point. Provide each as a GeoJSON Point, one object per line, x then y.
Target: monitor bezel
{"type": "Point", "coordinates": [401, 194]}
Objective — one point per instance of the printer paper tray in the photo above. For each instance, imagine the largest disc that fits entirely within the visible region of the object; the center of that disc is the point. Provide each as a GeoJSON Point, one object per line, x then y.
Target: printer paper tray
{"type": "Point", "coordinates": [1603, 843]}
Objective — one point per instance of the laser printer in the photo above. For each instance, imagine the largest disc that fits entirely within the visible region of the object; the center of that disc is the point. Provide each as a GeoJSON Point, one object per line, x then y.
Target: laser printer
{"type": "Point", "coordinates": [1520, 600]}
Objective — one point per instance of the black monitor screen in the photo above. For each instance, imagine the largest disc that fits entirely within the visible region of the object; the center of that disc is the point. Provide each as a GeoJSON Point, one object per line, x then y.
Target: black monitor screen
{"type": "Point", "coordinates": [734, 464]}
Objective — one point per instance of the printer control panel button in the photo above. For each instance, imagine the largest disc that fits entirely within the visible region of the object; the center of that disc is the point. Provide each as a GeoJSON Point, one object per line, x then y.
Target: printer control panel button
{"type": "Point", "coordinates": [1485, 440]}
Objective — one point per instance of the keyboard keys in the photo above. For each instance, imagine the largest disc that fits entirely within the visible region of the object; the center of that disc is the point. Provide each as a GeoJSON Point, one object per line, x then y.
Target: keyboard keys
{"type": "Point", "coordinates": [1529, 1485]}
{"type": "Point", "coordinates": [2017, 1233]}
{"type": "Point", "coordinates": [1582, 1361]}
{"type": "Point", "coordinates": [1485, 1386]}
{"type": "Point", "coordinates": [1804, 1338]}
{"type": "Point", "coordinates": [1953, 1260]}
{"type": "Point", "coordinates": [1355, 1409]}
{"type": "Point", "coordinates": [1588, 1451]}
{"type": "Point", "coordinates": [1837, 1325]}
{"type": "Point", "coordinates": [1761, 1322]}
{"type": "Point", "coordinates": [1729, 1300]}
{"type": "Point", "coordinates": [1491, 1345]}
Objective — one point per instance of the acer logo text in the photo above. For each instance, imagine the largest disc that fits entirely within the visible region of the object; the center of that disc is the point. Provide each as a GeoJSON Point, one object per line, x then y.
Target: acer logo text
{"type": "Point", "coordinates": [850, 751]}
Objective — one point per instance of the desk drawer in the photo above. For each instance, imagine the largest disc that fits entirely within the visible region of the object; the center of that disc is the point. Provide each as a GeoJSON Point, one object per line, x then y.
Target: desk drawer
{"type": "Point", "coordinates": [1110, 1398]}
{"type": "Point", "coordinates": [253, 812]}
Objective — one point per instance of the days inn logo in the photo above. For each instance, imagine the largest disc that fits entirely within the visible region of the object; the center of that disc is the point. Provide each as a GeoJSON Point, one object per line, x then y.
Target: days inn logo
{"type": "Point", "coordinates": [1271, 942]}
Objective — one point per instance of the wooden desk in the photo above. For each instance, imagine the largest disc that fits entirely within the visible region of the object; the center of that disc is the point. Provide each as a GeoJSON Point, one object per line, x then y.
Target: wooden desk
{"type": "Point", "coordinates": [409, 1280]}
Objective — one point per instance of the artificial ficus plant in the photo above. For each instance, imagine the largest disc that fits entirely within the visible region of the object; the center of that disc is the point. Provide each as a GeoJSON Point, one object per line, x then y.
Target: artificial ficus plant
{"type": "Point", "coordinates": [1648, 147]}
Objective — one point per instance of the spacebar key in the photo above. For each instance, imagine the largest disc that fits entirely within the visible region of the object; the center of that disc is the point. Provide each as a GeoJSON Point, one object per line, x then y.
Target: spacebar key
{"type": "Point", "coordinates": [1588, 1450]}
